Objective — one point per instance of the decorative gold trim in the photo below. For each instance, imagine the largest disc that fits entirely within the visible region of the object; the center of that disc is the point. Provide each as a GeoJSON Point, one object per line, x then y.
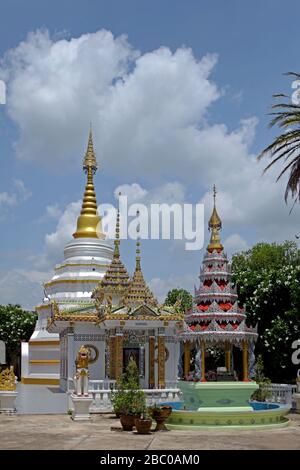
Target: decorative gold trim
{"type": "Point", "coordinates": [44, 361]}
{"type": "Point", "coordinates": [116, 316]}
{"type": "Point", "coordinates": [119, 356]}
{"type": "Point", "coordinates": [40, 307]}
{"type": "Point", "coordinates": [245, 361]}
{"type": "Point", "coordinates": [112, 357]}
{"type": "Point", "coordinates": [83, 303]}
{"type": "Point", "coordinates": [151, 361]}
{"type": "Point", "coordinates": [88, 318]}
{"type": "Point", "coordinates": [203, 379]}
{"type": "Point", "coordinates": [100, 265]}
{"type": "Point", "coordinates": [187, 358]}
{"type": "Point", "coordinates": [167, 354]}
{"type": "Point", "coordinates": [228, 349]}
{"type": "Point", "coordinates": [37, 381]}
{"type": "Point", "coordinates": [161, 361]}
{"type": "Point", "coordinates": [44, 343]}
{"type": "Point", "coordinates": [70, 281]}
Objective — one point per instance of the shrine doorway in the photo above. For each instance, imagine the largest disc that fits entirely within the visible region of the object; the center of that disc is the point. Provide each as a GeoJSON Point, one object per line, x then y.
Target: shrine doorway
{"type": "Point", "coordinates": [129, 353]}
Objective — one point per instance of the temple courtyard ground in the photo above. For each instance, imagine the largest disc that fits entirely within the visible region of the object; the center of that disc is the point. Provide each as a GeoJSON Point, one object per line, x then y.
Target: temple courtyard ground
{"type": "Point", "coordinates": [60, 432]}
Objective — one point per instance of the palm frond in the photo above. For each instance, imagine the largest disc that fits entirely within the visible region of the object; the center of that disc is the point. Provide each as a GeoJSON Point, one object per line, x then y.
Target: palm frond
{"type": "Point", "coordinates": [286, 146]}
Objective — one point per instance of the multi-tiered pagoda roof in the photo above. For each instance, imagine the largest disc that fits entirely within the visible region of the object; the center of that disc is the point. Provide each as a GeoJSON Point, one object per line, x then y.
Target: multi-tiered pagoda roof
{"type": "Point", "coordinates": [216, 315]}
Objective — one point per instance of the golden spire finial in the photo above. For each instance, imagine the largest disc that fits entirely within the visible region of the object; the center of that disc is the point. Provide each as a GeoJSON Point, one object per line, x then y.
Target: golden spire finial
{"type": "Point", "coordinates": [138, 290]}
{"type": "Point", "coordinates": [138, 249]}
{"type": "Point", "coordinates": [89, 221]}
{"type": "Point", "coordinates": [117, 236]}
{"type": "Point", "coordinates": [215, 225]}
{"type": "Point", "coordinates": [90, 157]}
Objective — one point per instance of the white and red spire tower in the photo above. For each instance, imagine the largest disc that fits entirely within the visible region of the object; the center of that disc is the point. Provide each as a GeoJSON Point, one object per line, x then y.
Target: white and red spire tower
{"type": "Point", "coordinates": [216, 318]}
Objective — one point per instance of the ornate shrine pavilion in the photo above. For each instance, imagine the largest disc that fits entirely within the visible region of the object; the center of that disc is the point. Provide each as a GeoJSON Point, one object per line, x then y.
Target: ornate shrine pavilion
{"type": "Point", "coordinates": [216, 320]}
{"type": "Point", "coordinates": [92, 301]}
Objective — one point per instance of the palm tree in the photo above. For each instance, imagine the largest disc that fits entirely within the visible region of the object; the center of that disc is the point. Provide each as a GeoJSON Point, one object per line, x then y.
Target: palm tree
{"type": "Point", "coordinates": [286, 146]}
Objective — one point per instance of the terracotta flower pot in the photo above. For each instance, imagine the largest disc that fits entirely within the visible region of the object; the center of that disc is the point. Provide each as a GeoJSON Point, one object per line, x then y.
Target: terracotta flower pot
{"type": "Point", "coordinates": [160, 415]}
{"type": "Point", "coordinates": [128, 421]}
{"type": "Point", "coordinates": [143, 426]}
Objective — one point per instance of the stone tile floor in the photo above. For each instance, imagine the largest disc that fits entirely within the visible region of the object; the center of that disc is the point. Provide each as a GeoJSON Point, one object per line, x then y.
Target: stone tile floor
{"type": "Point", "coordinates": [60, 432]}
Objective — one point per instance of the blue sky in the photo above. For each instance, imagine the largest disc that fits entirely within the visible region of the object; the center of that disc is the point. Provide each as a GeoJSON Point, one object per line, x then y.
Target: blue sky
{"type": "Point", "coordinates": [238, 53]}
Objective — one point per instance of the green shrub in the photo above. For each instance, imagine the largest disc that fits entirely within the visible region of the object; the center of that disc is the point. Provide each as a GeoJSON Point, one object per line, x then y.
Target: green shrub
{"type": "Point", "coordinates": [263, 392]}
{"type": "Point", "coordinates": [128, 398]}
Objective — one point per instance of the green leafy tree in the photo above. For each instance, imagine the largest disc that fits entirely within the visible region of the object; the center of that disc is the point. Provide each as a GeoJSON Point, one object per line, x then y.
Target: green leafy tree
{"type": "Point", "coordinates": [268, 280]}
{"type": "Point", "coordinates": [183, 295]}
{"type": "Point", "coordinates": [16, 325]}
{"type": "Point", "coordinates": [285, 148]}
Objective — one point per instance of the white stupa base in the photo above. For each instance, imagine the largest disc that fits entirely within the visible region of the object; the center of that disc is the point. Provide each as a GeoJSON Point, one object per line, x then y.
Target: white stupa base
{"type": "Point", "coordinates": [8, 401]}
{"type": "Point", "coordinates": [81, 407]}
{"type": "Point", "coordinates": [296, 397]}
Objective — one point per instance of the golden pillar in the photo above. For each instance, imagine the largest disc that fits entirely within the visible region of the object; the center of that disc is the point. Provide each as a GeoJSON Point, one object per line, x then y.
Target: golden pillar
{"type": "Point", "coordinates": [228, 356]}
{"type": "Point", "coordinates": [161, 361]}
{"type": "Point", "coordinates": [151, 362]}
{"type": "Point", "coordinates": [245, 362]}
{"type": "Point", "coordinates": [203, 379]}
{"type": "Point", "coordinates": [119, 356]}
{"type": "Point", "coordinates": [187, 359]}
{"type": "Point", "coordinates": [112, 357]}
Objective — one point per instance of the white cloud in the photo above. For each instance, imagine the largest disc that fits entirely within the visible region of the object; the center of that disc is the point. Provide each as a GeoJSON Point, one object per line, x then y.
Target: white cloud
{"type": "Point", "coordinates": [55, 241]}
{"type": "Point", "coordinates": [167, 193]}
{"type": "Point", "coordinates": [137, 102]}
{"type": "Point", "coordinates": [52, 212]}
{"type": "Point", "coordinates": [134, 192]}
{"type": "Point", "coordinates": [234, 244]}
{"type": "Point", "coordinates": [65, 83]}
{"type": "Point", "coordinates": [160, 287]}
{"type": "Point", "coordinates": [66, 226]}
{"type": "Point", "coordinates": [17, 195]}
{"type": "Point", "coordinates": [22, 286]}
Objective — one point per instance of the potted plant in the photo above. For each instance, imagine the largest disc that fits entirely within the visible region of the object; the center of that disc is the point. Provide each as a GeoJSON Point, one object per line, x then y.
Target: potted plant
{"type": "Point", "coordinates": [263, 392]}
{"type": "Point", "coordinates": [144, 423]}
{"type": "Point", "coordinates": [128, 399]}
{"type": "Point", "coordinates": [119, 398]}
{"type": "Point", "coordinates": [160, 414]}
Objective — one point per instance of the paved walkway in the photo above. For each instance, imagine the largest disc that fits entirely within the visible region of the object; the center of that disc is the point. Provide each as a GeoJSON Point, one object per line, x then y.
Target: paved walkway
{"type": "Point", "coordinates": [60, 432]}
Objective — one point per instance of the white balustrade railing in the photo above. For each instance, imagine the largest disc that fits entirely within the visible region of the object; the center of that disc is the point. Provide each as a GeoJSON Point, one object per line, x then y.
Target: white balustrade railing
{"type": "Point", "coordinates": [101, 391]}
{"type": "Point", "coordinates": [282, 393]}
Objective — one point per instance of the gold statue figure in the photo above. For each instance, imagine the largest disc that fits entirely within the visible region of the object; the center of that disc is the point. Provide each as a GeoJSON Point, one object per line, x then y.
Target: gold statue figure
{"type": "Point", "coordinates": [8, 379]}
{"type": "Point", "coordinates": [81, 378]}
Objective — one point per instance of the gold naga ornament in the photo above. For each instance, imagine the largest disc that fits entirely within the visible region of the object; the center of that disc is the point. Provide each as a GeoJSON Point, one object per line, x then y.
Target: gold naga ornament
{"type": "Point", "coordinates": [7, 379]}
